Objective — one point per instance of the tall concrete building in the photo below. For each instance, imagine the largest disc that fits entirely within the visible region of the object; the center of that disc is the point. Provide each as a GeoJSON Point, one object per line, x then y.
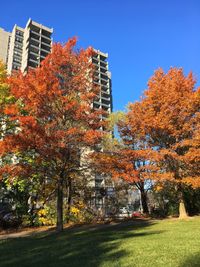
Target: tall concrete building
{"type": "Point", "coordinates": [103, 79]}
{"type": "Point", "coordinates": [4, 45]}
{"type": "Point", "coordinates": [25, 47]}
{"type": "Point", "coordinates": [103, 101]}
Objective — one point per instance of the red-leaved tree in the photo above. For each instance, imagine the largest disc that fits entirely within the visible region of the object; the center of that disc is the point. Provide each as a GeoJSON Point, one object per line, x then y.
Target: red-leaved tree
{"type": "Point", "coordinates": [56, 121]}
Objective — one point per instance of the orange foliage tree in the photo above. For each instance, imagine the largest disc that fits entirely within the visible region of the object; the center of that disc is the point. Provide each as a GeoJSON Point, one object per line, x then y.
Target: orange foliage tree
{"type": "Point", "coordinates": [167, 120]}
{"type": "Point", "coordinates": [128, 160]}
{"type": "Point", "coordinates": [55, 119]}
{"type": "Point", "coordinates": [160, 137]}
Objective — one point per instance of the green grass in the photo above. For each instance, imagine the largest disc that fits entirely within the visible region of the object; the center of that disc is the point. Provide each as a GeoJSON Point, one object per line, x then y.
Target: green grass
{"type": "Point", "coordinates": [141, 243]}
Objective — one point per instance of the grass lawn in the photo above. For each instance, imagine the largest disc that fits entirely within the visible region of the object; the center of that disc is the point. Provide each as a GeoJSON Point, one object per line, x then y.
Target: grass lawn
{"type": "Point", "coordinates": [138, 243]}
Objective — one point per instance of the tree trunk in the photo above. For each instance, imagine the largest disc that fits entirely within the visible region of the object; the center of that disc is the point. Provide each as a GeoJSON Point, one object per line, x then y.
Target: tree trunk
{"type": "Point", "coordinates": [69, 198]}
{"type": "Point", "coordinates": [144, 201]}
{"type": "Point", "coordinates": [182, 210]}
{"type": "Point", "coordinates": [32, 210]}
{"type": "Point", "coordinates": [59, 224]}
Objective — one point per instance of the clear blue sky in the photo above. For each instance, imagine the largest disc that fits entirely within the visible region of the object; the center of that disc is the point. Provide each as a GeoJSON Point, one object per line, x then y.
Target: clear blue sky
{"type": "Point", "coordinates": [139, 35]}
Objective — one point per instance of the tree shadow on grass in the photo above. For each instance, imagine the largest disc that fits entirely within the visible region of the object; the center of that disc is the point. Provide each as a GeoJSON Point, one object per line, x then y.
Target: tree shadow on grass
{"type": "Point", "coordinates": [82, 246]}
{"type": "Point", "coordinates": [192, 261]}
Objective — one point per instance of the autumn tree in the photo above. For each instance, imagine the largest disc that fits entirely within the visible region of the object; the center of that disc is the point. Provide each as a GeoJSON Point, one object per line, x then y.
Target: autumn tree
{"type": "Point", "coordinates": [160, 137]}
{"type": "Point", "coordinates": [5, 98]}
{"type": "Point", "coordinates": [16, 191]}
{"type": "Point", "coordinates": [56, 122]}
{"type": "Point", "coordinates": [130, 165]}
{"type": "Point", "coordinates": [167, 119]}
{"type": "Point", "coordinates": [126, 158]}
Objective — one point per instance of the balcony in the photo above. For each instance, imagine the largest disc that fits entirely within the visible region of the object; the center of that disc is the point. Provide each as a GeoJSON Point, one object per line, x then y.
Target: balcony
{"type": "Point", "coordinates": [96, 74]}
{"type": "Point", "coordinates": [34, 48]}
{"type": "Point", "coordinates": [18, 47]}
{"type": "Point", "coordinates": [103, 70]}
{"type": "Point", "coordinates": [96, 80]}
{"type": "Point", "coordinates": [35, 35]}
{"type": "Point", "coordinates": [46, 44]}
{"type": "Point", "coordinates": [104, 82]}
{"type": "Point", "coordinates": [46, 48]}
{"type": "Point", "coordinates": [19, 33]}
{"type": "Point", "coordinates": [46, 41]}
{"type": "Point", "coordinates": [18, 41]}
{"type": "Point", "coordinates": [32, 63]}
{"type": "Point", "coordinates": [17, 56]}
{"type": "Point", "coordinates": [104, 77]}
{"type": "Point", "coordinates": [34, 41]}
{"type": "Point", "coordinates": [103, 58]}
{"type": "Point", "coordinates": [105, 102]}
{"type": "Point", "coordinates": [16, 59]}
{"type": "Point", "coordinates": [95, 61]}
{"type": "Point", "coordinates": [35, 29]}
{"type": "Point", "coordinates": [34, 55]}
{"type": "Point", "coordinates": [17, 52]}
{"type": "Point", "coordinates": [46, 34]}
{"type": "Point", "coordinates": [96, 105]}
{"type": "Point", "coordinates": [15, 67]}
{"type": "Point", "coordinates": [43, 53]}
{"type": "Point", "coordinates": [106, 108]}
{"type": "Point", "coordinates": [42, 57]}
{"type": "Point", "coordinates": [105, 94]}
{"type": "Point", "coordinates": [103, 64]}
{"type": "Point", "coordinates": [17, 63]}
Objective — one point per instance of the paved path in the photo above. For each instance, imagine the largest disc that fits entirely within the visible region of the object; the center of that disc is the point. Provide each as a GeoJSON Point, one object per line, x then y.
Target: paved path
{"type": "Point", "coordinates": [23, 233]}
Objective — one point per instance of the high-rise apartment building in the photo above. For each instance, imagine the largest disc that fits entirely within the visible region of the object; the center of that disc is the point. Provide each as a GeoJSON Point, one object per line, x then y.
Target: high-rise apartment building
{"type": "Point", "coordinates": [4, 45]}
{"type": "Point", "coordinates": [25, 47]}
{"type": "Point", "coordinates": [103, 78]}
{"type": "Point", "coordinates": [103, 101]}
